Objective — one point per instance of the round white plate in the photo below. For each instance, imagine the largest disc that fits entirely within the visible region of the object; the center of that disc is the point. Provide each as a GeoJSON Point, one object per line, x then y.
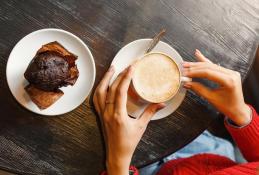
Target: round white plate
{"type": "Point", "coordinates": [130, 53]}
{"type": "Point", "coordinates": [25, 50]}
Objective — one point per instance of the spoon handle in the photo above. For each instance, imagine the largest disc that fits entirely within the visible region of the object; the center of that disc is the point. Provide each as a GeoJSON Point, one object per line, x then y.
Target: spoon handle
{"type": "Point", "coordinates": [155, 40]}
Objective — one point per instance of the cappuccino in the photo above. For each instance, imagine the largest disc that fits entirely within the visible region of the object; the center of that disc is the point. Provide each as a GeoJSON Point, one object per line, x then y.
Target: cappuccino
{"type": "Point", "coordinates": [156, 78]}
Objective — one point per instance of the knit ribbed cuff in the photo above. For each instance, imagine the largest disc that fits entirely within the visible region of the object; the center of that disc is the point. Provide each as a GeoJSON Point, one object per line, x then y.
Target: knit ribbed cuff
{"type": "Point", "coordinates": [247, 137]}
{"type": "Point", "coordinates": [249, 130]}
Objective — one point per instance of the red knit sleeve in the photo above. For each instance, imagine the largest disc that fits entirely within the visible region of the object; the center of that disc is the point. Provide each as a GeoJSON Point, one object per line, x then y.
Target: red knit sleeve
{"type": "Point", "coordinates": [247, 137]}
{"type": "Point", "coordinates": [132, 171]}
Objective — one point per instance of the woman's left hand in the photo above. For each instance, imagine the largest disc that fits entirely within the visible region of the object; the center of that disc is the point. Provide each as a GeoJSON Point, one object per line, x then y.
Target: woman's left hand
{"type": "Point", "coordinates": [122, 133]}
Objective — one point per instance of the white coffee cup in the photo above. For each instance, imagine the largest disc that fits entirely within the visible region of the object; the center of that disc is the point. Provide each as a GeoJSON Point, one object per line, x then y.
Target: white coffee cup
{"type": "Point", "coordinates": [166, 61]}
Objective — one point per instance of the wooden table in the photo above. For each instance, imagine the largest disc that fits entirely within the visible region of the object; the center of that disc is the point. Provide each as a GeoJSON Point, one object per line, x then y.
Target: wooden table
{"type": "Point", "coordinates": [225, 31]}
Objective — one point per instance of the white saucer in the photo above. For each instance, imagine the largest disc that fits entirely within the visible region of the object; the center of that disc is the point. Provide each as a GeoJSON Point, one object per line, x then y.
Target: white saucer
{"type": "Point", "coordinates": [131, 52]}
{"type": "Point", "coordinates": [25, 50]}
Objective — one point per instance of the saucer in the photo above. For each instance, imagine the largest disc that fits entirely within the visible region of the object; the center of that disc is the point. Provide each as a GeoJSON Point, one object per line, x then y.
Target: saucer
{"type": "Point", "coordinates": [23, 53]}
{"type": "Point", "coordinates": [127, 55]}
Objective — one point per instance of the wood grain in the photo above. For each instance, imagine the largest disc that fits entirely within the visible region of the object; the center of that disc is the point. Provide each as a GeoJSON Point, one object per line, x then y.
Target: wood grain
{"type": "Point", "coordinates": [227, 32]}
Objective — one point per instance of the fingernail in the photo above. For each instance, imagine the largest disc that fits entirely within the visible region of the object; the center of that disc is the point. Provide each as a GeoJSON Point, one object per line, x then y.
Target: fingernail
{"type": "Point", "coordinates": [185, 64]}
{"type": "Point", "coordinates": [131, 68]}
{"type": "Point", "coordinates": [197, 51]}
{"type": "Point", "coordinates": [161, 106]}
{"type": "Point", "coordinates": [125, 70]}
{"type": "Point", "coordinates": [111, 68]}
{"type": "Point", "coordinates": [187, 86]}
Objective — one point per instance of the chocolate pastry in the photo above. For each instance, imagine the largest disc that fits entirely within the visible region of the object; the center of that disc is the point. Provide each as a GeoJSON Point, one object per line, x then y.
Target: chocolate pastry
{"type": "Point", "coordinates": [52, 67]}
{"type": "Point", "coordinates": [48, 71]}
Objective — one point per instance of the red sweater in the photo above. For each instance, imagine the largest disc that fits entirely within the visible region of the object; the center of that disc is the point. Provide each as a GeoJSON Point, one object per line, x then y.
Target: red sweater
{"type": "Point", "coordinates": [247, 139]}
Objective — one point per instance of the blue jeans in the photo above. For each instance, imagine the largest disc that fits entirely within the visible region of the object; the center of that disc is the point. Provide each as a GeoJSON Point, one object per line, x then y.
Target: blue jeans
{"type": "Point", "coordinates": [205, 143]}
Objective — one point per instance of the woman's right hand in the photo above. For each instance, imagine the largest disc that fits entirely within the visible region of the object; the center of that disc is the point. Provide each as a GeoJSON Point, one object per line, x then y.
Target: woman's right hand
{"type": "Point", "coordinates": [228, 97]}
{"type": "Point", "coordinates": [121, 132]}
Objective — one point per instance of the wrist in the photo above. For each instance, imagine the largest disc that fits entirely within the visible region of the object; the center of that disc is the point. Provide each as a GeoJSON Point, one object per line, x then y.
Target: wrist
{"type": "Point", "coordinates": [118, 166]}
{"type": "Point", "coordinates": [241, 116]}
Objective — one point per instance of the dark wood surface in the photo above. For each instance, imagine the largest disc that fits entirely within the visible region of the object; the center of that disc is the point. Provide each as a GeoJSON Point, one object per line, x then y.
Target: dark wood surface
{"type": "Point", "coordinates": [226, 31]}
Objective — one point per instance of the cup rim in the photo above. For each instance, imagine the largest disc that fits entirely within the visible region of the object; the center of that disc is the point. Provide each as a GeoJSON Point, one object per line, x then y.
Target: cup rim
{"type": "Point", "coordinates": [180, 75]}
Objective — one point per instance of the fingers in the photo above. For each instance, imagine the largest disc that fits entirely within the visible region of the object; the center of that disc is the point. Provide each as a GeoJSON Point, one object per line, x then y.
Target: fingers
{"type": "Point", "coordinates": [199, 89]}
{"type": "Point", "coordinates": [121, 92]}
{"type": "Point", "coordinates": [205, 65]}
{"type": "Point", "coordinates": [201, 57]}
{"type": "Point", "coordinates": [150, 111]}
{"type": "Point", "coordinates": [192, 64]}
{"type": "Point", "coordinates": [207, 73]}
{"type": "Point", "coordinates": [101, 90]}
{"type": "Point", "coordinates": [96, 105]}
{"type": "Point", "coordinates": [206, 61]}
{"type": "Point", "coordinates": [110, 100]}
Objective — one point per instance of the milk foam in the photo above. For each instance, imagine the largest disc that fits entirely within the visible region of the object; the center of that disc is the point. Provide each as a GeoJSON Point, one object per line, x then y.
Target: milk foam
{"type": "Point", "coordinates": [156, 78]}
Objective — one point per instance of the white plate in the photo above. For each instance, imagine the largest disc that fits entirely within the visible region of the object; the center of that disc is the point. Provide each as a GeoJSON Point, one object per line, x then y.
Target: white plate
{"type": "Point", "coordinates": [131, 52]}
{"type": "Point", "coordinates": [25, 50]}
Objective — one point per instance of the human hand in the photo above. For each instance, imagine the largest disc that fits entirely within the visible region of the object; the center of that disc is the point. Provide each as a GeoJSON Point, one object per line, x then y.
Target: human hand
{"type": "Point", "coordinates": [228, 97]}
{"type": "Point", "coordinates": [121, 132]}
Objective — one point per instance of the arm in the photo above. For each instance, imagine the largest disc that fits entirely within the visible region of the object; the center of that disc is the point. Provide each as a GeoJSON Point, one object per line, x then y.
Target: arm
{"type": "Point", "coordinates": [121, 132]}
{"type": "Point", "coordinates": [228, 99]}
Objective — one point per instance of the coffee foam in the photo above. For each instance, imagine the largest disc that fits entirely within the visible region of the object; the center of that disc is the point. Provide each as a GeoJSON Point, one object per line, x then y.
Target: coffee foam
{"type": "Point", "coordinates": [156, 77]}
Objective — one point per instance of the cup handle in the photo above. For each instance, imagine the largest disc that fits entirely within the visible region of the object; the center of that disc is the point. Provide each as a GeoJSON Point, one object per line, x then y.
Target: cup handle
{"type": "Point", "coordinates": [186, 79]}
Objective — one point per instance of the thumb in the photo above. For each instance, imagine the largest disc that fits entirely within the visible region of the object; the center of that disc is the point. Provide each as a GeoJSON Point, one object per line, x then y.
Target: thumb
{"type": "Point", "coordinates": [150, 110]}
{"type": "Point", "coordinates": [198, 88]}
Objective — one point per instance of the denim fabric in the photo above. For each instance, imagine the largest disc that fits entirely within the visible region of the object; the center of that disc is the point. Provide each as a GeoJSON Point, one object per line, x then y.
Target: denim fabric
{"type": "Point", "coordinates": [205, 143]}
